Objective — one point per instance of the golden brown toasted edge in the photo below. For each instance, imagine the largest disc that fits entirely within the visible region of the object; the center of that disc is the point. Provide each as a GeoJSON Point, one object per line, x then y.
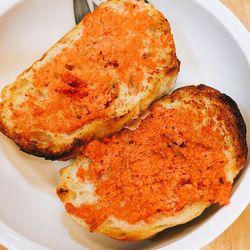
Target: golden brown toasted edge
{"type": "Point", "coordinates": [105, 127]}
{"type": "Point", "coordinates": [118, 230]}
{"type": "Point", "coordinates": [229, 114]}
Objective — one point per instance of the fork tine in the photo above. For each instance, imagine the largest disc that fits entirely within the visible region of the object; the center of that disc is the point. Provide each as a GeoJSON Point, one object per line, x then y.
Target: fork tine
{"type": "Point", "coordinates": [94, 5]}
{"type": "Point", "coordinates": [81, 8]}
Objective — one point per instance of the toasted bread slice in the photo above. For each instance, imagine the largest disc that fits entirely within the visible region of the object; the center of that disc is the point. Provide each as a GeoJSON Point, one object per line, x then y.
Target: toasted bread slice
{"type": "Point", "coordinates": [101, 75]}
{"type": "Point", "coordinates": [182, 158]}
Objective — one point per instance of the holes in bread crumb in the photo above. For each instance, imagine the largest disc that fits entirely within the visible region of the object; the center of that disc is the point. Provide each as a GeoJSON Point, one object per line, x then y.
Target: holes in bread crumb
{"type": "Point", "coordinates": [113, 63]}
{"type": "Point", "coordinates": [107, 104]}
{"type": "Point", "coordinates": [146, 55]}
{"type": "Point", "coordinates": [221, 180]}
{"type": "Point", "coordinates": [182, 145]}
{"type": "Point", "coordinates": [74, 86]}
{"type": "Point", "coordinates": [72, 80]}
{"type": "Point", "coordinates": [185, 181]}
{"type": "Point", "coordinates": [131, 142]}
{"type": "Point", "coordinates": [69, 66]}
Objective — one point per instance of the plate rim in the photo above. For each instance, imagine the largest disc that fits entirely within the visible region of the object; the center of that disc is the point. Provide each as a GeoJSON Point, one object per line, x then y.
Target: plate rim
{"type": "Point", "coordinates": [212, 228]}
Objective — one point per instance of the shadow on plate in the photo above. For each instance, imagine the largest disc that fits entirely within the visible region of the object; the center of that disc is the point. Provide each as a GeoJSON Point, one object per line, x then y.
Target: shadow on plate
{"type": "Point", "coordinates": [164, 238]}
{"type": "Point", "coordinates": [40, 173]}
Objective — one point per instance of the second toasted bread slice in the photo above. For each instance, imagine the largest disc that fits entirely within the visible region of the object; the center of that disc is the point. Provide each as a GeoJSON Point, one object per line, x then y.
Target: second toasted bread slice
{"type": "Point", "coordinates": [183, 157]}
{"type": "Point", "coordinates": [101, 75]}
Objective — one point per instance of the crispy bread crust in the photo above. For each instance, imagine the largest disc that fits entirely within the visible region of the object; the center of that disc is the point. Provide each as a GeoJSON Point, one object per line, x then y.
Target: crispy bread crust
{"type": "Point", "coordinates": [232, 117]}
{"type": "Point", "coordinates": [235, 128]}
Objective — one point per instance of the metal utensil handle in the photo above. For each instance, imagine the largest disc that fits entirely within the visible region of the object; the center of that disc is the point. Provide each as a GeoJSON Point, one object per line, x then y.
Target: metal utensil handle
{"type": "Point", "coordinates": [83, 7]}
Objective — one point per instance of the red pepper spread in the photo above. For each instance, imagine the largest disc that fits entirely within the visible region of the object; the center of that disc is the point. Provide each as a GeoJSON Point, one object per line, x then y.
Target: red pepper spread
{"type": "Point", "coordinates": [174, 158]}
{"type": "Point", "coordinates": [83, 80]}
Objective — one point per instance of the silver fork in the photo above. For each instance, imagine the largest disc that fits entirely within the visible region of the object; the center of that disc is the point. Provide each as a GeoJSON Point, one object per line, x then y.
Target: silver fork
{"type": "Point", "coordinates": [83, 7]}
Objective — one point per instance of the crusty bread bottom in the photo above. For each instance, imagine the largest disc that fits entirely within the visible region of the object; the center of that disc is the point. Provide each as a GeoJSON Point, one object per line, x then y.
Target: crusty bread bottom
{"type": "Point", "coordinates": [121, 230]}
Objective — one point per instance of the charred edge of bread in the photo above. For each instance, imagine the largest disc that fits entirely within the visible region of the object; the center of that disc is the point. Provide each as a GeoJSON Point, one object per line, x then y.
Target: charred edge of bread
{"type": "Point", "coordinates": [233, 119]}
{"type": "Point", "coordinates": [240, 128]}
{"type": "Point", "coordinates": [32, 147]}
{"type": "Point", "coordinates": [71, 150]}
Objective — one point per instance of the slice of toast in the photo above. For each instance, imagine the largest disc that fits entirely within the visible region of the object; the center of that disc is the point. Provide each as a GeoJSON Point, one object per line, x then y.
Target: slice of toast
{"type": "Point", "coordinates": [182, 158]}
{"type": "Point", "coordinates": [98, 77]}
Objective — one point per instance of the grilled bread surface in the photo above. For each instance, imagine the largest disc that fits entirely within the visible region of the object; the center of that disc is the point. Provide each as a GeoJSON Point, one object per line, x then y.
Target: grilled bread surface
{"type": "Point", "coordinates": [101, 75]}
{"type": "Point", "coordinates": [182, 158]}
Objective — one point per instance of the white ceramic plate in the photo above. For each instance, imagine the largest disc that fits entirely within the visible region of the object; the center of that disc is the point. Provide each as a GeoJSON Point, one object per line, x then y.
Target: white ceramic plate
{"type": "Point", "coordinates": [213, 47]}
